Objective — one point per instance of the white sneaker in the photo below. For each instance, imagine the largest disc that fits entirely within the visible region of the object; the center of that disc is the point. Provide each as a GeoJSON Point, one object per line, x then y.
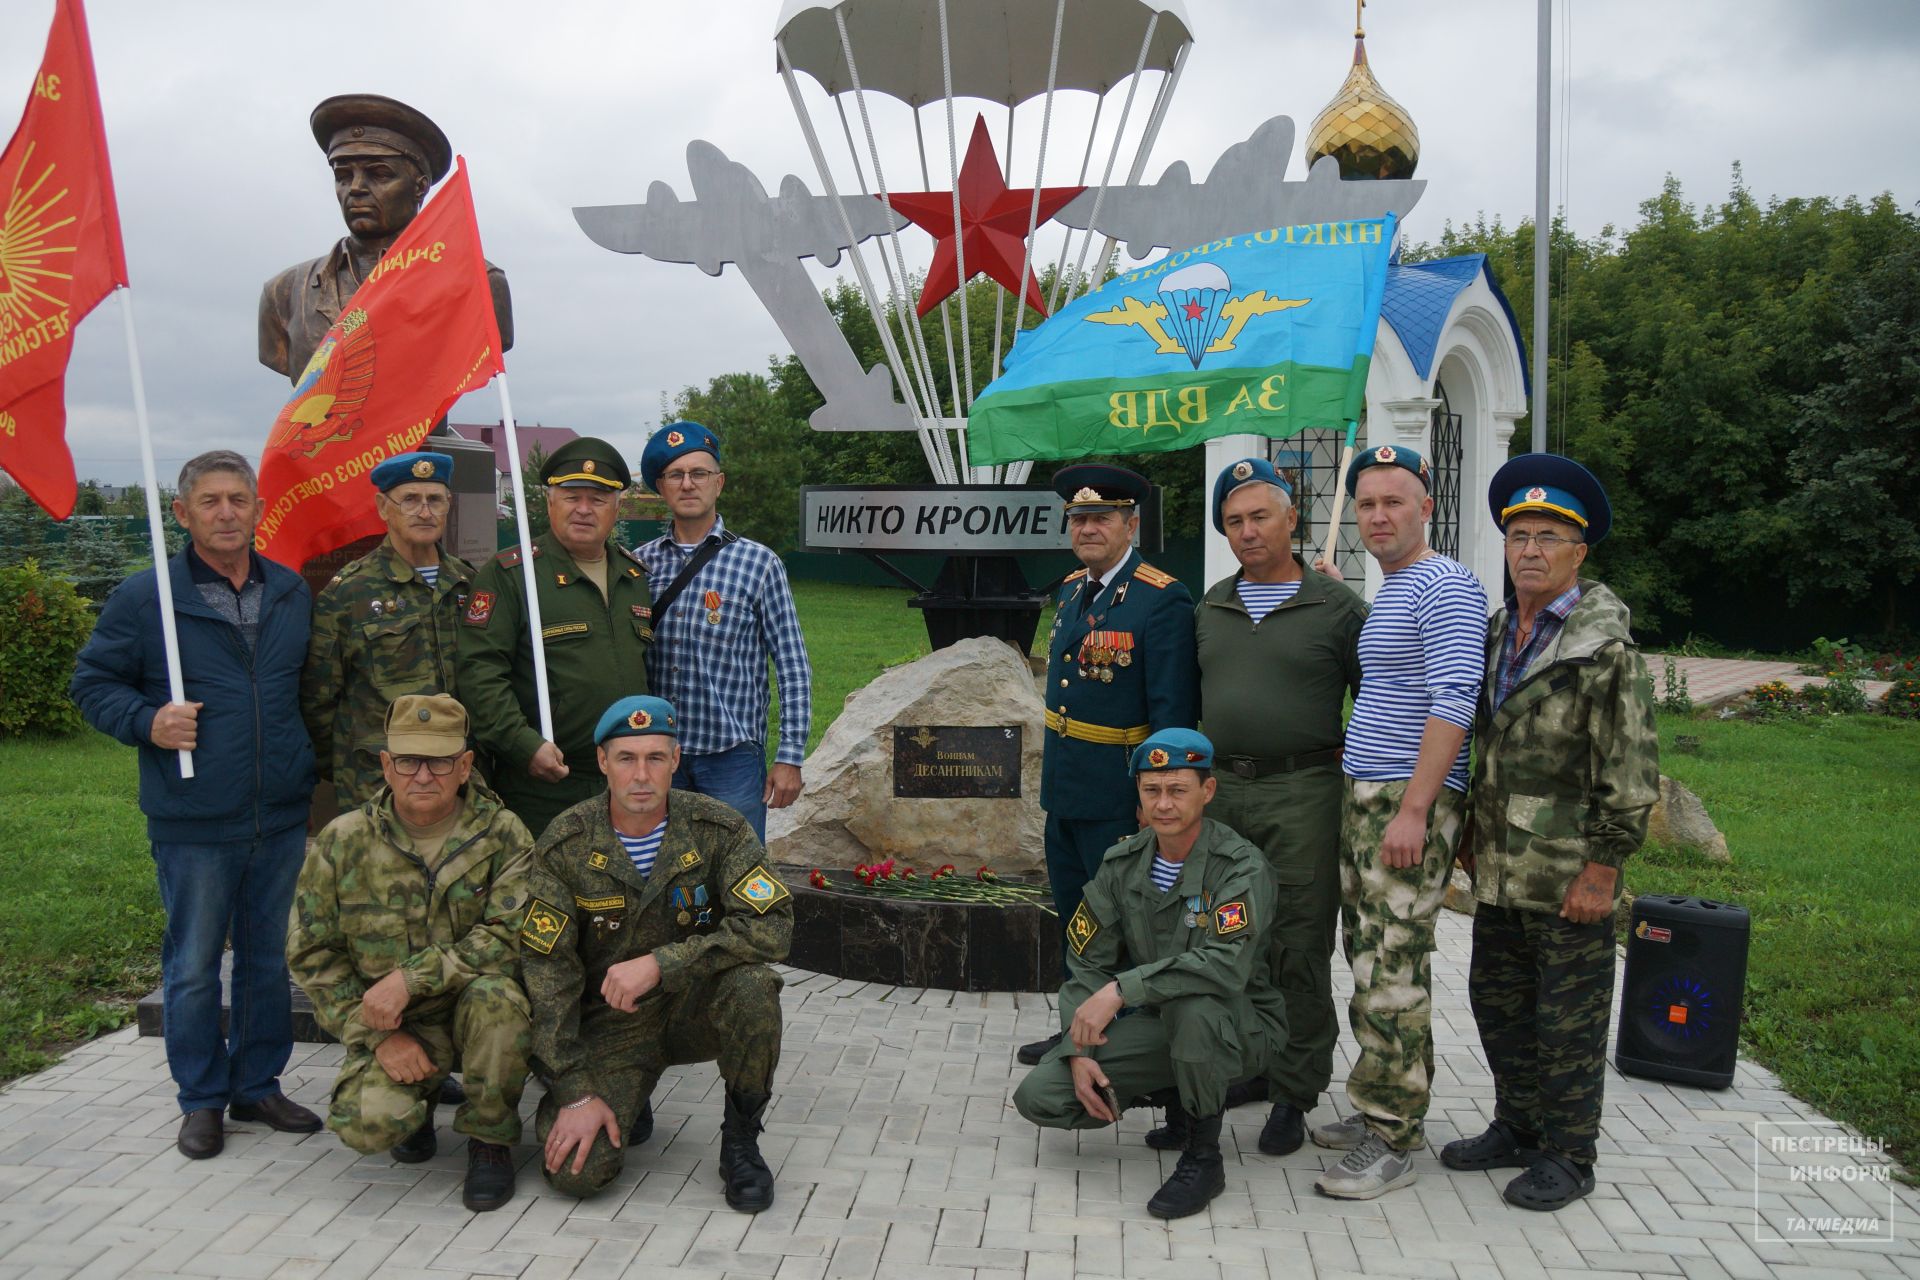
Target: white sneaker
{"type": "Point", "coordinates": [1342, 1135]}
{"type": "Point", "coordinates": [1371, 1169]}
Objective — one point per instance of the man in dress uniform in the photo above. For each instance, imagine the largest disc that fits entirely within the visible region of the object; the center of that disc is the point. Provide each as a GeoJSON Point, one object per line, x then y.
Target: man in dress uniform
{"type": "Point", "coordinates": [1170, 995]}
{"type": "Point", "coordinates": [650, 941]}
{"type": "Point", "coordinates": [1119, 667]}
{"type": "Point", "coordinates": [596, 621]}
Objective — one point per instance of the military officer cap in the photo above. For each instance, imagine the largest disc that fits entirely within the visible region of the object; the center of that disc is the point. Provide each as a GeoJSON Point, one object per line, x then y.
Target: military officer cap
{"type": "Point", "coordinates": [1245, 472]}
{"type": "Point", "coordinates": [1549, 485]}
{"type": "Point", "coordinates": [632, 716]}
{"type": "Point", "coordinates": [412, 468]}
{"type": "Point", "coordinates": [366, 124]}
{"type": "Point", "coordinates": [1173, 749]}
{"type": "Point", "coordinates": [1388, 455]}
{"type": "Point", "coordinates": [1093, 487]}
{"type": "Point", "coordinates": [426, 724]}
{"type": "Point", "coordinates": [675, 440]}
{"type": "Point", "coordinates": [585, 463]}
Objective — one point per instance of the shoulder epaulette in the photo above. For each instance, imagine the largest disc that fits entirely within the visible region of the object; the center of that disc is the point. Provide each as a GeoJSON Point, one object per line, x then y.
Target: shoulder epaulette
{"type": "Point", "coordinates": [1153, 577]}
{"type": "Point", "coordinates": [633, 554]}
{"type": "Point", "coordinates": [511, 557]}
{"type": "Point", "coordinates": [1076, 575]}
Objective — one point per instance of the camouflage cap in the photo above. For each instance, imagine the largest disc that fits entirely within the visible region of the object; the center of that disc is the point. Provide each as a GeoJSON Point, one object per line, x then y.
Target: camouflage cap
{"type": "Point", "coordinates": [426, 724]}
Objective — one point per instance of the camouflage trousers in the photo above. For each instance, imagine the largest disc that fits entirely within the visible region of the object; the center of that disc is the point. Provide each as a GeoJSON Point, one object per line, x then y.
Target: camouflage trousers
{"type": "Point", "coordinates": [731, 1020]}
{"type": "Point", "coordinates": [483, 1031]}
{"type": "Point", "coordinates": [1542, 993]}
{"type": "Point", "coordinates": [1386, 917]}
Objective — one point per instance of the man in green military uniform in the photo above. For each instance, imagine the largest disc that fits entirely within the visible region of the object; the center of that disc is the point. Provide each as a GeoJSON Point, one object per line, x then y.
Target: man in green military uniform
{"type": "Point", "coordinates": [1567, 773]}
{"type": "Point", "coordinates": [384, 626]}
{"type": "Point", "coordinates": [1278, 647]}
{"type": "Point", "coordinates": [403, 935]}
{"type": "Point", "coordinates": [1119, 667]}
{"type": "Point", "coordinates": [596, 621]}
{"type": "Point", "coordinates": [1170, 990]}
{"type": "Point", "coordinates": [650, 941]}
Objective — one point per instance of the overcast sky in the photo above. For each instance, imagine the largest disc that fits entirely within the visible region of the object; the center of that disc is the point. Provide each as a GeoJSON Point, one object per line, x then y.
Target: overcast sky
{"type": "Point", "coordinates": [562, 104]}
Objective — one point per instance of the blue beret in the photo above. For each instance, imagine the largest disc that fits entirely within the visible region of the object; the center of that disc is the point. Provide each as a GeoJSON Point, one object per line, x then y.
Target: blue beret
{"type": "Point", "coordinates": [406, 468]}
{"type": "Point", "coordinates": [1246, 471]}
{"type": "Point", "coordinates": [1548, 484]}
{"type": "Point", "coordinates": [1093, 487]}
{"type": "Point", "coordinates": [672, 441]}
{"type": "Point", "coordinates": [636, 715]}
{"type": "Point", "coordinates": [1388, 455]}
{"type": "Point", "coordinates": [1174, 749]}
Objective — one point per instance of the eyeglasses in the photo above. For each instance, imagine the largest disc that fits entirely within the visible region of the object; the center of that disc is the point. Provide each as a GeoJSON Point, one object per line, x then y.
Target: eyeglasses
{"type": "Point", "coordinates": [438, 766]}
{"type": "Point", "coordinates": [413, 502]}
{"type": "Point", "coordinates": [1547, 542]}
{"type": "Point", "coordinates": [694, 475]}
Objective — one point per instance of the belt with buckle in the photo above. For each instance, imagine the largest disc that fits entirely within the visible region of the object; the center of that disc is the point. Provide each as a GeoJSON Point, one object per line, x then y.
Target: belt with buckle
{"type": "Point", "coordinates": [1256, 767]}
{"type": "Point", "coordinates": [1099, 733]}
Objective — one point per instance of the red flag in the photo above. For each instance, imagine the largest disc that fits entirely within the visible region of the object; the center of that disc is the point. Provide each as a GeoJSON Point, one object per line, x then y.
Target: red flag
{"type": "Point", "coordinates": [60, 254]}
{"type": "Point", "coordinates": [416, 336]}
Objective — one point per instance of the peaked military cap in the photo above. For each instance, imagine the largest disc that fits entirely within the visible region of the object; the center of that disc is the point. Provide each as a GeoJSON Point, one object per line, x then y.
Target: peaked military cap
{"type": "Point", "coordinates": [368, 124]}
{"type": "Point", "coordinates": [1245, 472]}
{"type": "Point", "coordinates": [585, 463]}
{"type": "Point", "coordinates": [635, 715]}
{"type": "Point", "coordinates": [1091, 487]}
{"type": "Point", "coordinates": [1388, 455]}
{"type": "Point", "coordinates": [1550, 485]}
{"type": "Point", "coordinates": [426, 724]}
{"type": "Point", "coordinates": [1173, 749]}
{"type": "Point", "coordinates": [675, 440]}
{"type": "Point", "coordinates": [411, 468]}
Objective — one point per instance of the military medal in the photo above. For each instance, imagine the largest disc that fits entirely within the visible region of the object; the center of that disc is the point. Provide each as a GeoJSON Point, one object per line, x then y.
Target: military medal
{"type": "Point", "coordinates": [1106, 675]}
{"type": "Point", "coordinates": [684, 918]}
{"type": "Point", "coordinates": [1124, 645]}
{"type": "Point", "coordinates": [679, 899]}
{"type": "Point", "coordinates": [712, 601]}
{"type": "Point", "coordinates": [377, 608]}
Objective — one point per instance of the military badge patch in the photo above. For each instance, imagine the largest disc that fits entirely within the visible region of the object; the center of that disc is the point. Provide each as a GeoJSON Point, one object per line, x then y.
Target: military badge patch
{"type": "Point", "coordinates": [1158, 758]}
{"type": "Point", "coordinates": [689, 859]}
{"type": "Point", "coordinates": [1230, 917]}
{"type": "Point", "coordinates": [1241, 470]}
{"type": "Point", "coordinates": [422, 470]}
{"type": "Point", "coordinates": [675, 439]}
{"type": "Point", "coordinates": [642, 611]}
{"type": "Point", "coordinates": [641, 719]}
{"type": "Point", "coordinates": [479, 608]}
{"type": "Point", "coordinates": [1536, 494]}
{"type": "Point", "coordinates": [1082, 928]}
{"type": "Point", "coordinates": [1385, 453]}
{"type": "Point", "coordinates": [613, 902]}
{"type": "Point", "coordinates": [559, 629]}
{"type": "Point", "coordinates": [598, 861]}
{"type": "Point", "coordinates": [544, 925]}
{"type": "Point", "coordinates": [760, 890]}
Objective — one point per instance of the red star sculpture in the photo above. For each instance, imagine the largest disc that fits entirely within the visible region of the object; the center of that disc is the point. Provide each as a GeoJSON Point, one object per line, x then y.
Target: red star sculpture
{"type": "Point", "coordinates": [993, 225]}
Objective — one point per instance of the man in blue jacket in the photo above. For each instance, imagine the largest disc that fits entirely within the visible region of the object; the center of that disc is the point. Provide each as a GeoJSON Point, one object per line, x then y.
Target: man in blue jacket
{"type": "Point", "coordinates": [228, 842]}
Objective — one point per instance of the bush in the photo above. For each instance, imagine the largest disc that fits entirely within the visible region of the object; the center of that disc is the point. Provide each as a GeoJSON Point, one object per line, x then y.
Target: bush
{"type": "Point", "coordinates": [1903, 698]}
{"type": "Point", "coordinates": [43, 623]}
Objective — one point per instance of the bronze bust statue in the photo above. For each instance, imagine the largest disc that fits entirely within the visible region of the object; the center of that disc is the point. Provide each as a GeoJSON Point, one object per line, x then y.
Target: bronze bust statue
{"type": "Point", "coordinates": [386, 156]}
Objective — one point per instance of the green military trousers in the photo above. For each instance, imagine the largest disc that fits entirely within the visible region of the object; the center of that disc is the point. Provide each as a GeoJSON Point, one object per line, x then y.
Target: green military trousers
{"type": "Point", "coordinates": [731, 1020]}
{"type": "Point", "coordinates": [1294, 818]}
{"type": "Point", "coordinates": [537, 803]}
{"type": "Point", "coordinates": [482, 1030]}
{"type": "Point", "coordinates": [1196, 1045]}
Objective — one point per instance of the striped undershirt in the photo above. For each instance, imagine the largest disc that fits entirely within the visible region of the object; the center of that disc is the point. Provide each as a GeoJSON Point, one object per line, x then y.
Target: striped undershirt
{"type": "Point", "coordinates": [642, 850]}
{"type": "Point", "coordinates": [1262, 598]}
{"type": "Point", "coordinates": [1164, 873]}
{"type": "Point", "coordinates": [1420, 657]}
{"type": "Point", "coordinates": [429, 573]}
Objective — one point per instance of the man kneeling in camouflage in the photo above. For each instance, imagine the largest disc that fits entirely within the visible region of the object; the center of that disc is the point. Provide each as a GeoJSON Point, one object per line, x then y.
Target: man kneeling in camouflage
{"type": "Point", "coordinates": [403, 935]}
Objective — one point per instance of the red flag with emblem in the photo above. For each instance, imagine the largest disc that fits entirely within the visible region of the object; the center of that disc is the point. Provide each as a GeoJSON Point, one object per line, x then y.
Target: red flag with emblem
{"type": "Point", "coordinates": [60, 254]}
{"type": "Point", "coordinates": [417, 335]}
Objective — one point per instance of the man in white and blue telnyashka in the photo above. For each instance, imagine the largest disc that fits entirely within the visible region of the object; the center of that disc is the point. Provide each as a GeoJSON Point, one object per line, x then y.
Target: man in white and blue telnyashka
{"type": "Point", "coordinates": [1406, 779]}
{"type": "Point", "coordinates": [711, 643]}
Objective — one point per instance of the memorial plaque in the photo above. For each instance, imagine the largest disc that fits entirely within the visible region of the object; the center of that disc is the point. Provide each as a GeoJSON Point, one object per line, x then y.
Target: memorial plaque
{"type": "Point", "coordinates": [956, 762]}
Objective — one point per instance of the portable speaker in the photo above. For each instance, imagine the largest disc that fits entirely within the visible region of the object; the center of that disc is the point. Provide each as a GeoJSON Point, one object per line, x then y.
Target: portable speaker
{"type": "Point", "coordinates": [1680, 996]}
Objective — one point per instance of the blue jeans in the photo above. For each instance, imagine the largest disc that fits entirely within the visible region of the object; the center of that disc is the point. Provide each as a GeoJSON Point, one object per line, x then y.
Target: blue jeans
{"type": "Point", "coordinates": [240, 890]}
{"type": "Point", "coordinates": [736, 777]}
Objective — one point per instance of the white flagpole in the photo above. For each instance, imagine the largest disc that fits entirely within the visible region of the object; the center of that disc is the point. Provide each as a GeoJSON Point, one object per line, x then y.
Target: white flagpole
{"type": "Point", "coordinates": [526, 559]}
{"type": "Point", "coordinates": [162, 579]}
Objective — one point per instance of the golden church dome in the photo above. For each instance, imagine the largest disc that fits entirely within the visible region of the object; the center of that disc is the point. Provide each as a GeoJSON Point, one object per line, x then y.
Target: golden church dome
{"type": "Point", "coordinates": [1363, 128]}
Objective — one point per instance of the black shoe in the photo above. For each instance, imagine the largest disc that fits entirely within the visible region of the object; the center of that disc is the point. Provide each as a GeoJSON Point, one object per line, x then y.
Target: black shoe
{"type": "Point", "coordinates": [489, 1176]}
{"type": "Point", "coordinates": [1242, 1092]}
{"type": "Point", "coordinates": [1173, 1135]}
{"type": "Point", "coordinates": [1551, 1182]}
{"type": "Point", "coordinates": [1030, 1054]}
{"type": "Point", "coordinates": [643, 1127]}
{"type": "Point", "coordinates": [420, 1145]}
{"type": "Point", "coordinates": [201, 1134]}
{"type": "Point", "coordinates": [451, 1093]}
{"type": "Point", "coordinates": [1198, 1178]}
{"type": "Point", "coordinates": [1501, 1147]}
{"type": "Point", "coordinates": [279, 1112]}
{"type": "Point", "coordinates": [1285, 1130]}
{"type": "Point", "coordinates": [749, 1181]}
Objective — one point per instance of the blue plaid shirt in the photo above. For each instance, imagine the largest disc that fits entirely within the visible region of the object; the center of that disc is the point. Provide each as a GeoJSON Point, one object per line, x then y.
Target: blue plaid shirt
{"type": "Point", "coordinates": [1547, 625]}
{"type": "Point", "coordinates": [710, 660]}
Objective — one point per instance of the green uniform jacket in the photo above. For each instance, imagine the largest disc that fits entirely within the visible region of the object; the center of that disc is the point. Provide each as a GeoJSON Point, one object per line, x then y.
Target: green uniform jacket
{"type": "Point", "coordinates": [379, 631]}
{"type": "Point", "coordinates": [367, 905]}
{"type": "Point", "coordinates": [711, 903]}
{"type": "Point", "coordinates": [1206, 936]}
{"type": "Point", "coordinates": [1157, 687]}
{"type": "Point", "coordinates": [1276, 687]}
{"type": "Point", "coordinates": [1567, 770]}
{"type": "Point", "coordinates": [596, 653]}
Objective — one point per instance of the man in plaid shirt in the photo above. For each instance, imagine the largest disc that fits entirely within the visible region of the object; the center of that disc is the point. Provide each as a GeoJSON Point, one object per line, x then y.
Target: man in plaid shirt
{"type": "Point", "coordinates": [711, 645]}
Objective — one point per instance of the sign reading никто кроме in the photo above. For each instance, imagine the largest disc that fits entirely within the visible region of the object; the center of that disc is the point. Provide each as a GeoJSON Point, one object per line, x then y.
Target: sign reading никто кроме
{"type": "Point", "coordinates": [949, 519]}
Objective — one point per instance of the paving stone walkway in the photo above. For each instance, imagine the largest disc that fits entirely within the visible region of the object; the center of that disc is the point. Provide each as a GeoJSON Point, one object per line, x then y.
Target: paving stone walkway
{"type": "Point", "coordinates": [1712, 681]}
{"type": "Point", "coordinates": [898, 1155]}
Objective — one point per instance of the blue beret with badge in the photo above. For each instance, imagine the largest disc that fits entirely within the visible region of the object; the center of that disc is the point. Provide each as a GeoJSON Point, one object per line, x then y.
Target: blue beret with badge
{"type": "Point", "coordinates": [675, 440]}
{"type": "Point", "coordinates": [1547, 484]}
{"type": "Point", "coordinates": [412, 468]}
{"type": "Point", "coordinates": [1388, 455]}
{"type": "Point", "coordinates": [1244, 472]}
{"type": "Point", "coordinates": [1173, 749]}
{"type": "Point", "coordinates": [635, 715]}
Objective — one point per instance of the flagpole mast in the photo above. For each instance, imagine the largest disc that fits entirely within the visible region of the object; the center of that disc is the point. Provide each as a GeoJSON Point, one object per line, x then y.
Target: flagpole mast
{"type": "Point", "coordinates": [162, 577]}
{"type": "Point", "coordinates": [1542, 221]}
{"type": "Point", "coordinates": [539, 645]}
{"type": "Point", "coordinates": [1339, 496]}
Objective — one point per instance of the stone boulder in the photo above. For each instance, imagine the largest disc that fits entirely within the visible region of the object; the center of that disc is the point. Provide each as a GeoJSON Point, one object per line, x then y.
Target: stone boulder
{"type": "Point", "coordinates": [1680, 821]}
{"type": "Point", "coordinates": [848, 813]}
{"type": "Point", "coordinates": [1460, 893]}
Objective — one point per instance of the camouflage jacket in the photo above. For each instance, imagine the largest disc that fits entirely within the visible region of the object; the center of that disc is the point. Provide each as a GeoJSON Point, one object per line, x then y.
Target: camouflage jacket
{"type": "Point", "coordinates": [1568, 768]}
{"type": "Point", "coordinates": [1208, 935]}
{"type": "Point", "coordinates": [366, 905]}
{"type": "Point", "coordinates": [709, 904]}
{"type": "Point", "coordinates": [378, 631]}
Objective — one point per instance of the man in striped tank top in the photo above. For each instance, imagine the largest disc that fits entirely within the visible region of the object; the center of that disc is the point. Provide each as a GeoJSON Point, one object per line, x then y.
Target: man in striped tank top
{"type": "Point", "coordinates": [1406, 779]}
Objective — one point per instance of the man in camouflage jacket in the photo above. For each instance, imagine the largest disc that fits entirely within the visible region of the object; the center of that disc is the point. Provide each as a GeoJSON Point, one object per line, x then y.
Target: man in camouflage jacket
{"type": "Point", "coordinates": [403, 936]}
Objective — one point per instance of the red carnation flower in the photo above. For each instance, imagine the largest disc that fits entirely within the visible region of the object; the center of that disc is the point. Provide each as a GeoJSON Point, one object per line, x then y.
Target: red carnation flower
{"type": "Point", "coordinates": [945, 870]}
{"type": "Point", "coordinates": [985, 874]}
{"type": "Point", "coordinates": [818, 879]}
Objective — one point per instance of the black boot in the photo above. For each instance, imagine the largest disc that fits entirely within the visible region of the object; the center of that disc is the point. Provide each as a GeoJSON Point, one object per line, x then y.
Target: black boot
{"type": "Point", "coordinates": [420, 1145]}
{"type": "Point", "coordinates": [1029, 1055]}
{"type": "Point", "coordinates": [1198, 1178]}
{"type": "Point", "coordinates": [1172, 1136]}
{"type": "Point", "coordinates": [1284, 1131]}
{"type": "Point", "coordinates": [489, 1176]}
{"type": "Point", "coordinates": [643, 1127]}
{"type": "Point", "coordinates": [749, 1181]}
{"type": "Point", "coordinates": [1241, 1092]}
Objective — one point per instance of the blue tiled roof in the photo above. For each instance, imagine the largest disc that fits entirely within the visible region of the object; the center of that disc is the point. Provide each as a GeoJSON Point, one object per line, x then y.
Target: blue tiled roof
{"type": "Point", "coordinates": [1421, 294]}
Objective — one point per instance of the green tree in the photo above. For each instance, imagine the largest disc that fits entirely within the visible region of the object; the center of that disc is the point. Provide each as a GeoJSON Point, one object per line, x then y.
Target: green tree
{"type": "Point", "coordinates": [533, 494]}
{"type": "Point", "coordinates": [761, 450]}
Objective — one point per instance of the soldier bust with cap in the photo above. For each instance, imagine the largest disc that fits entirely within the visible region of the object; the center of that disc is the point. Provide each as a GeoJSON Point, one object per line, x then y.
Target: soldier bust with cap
{"type": "Point", "coordinates": [1119, 666]}
{"type": "Point", "coordinates": [596, 623]}
{"type": "Point", "coordinates": [650, 941]}
{"type": "Point", "coordinates": [404, 935]}
{"type": "Point", "coordinates": [385, 156]}
{"type": "Point", "coordinates": [384, 626]}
